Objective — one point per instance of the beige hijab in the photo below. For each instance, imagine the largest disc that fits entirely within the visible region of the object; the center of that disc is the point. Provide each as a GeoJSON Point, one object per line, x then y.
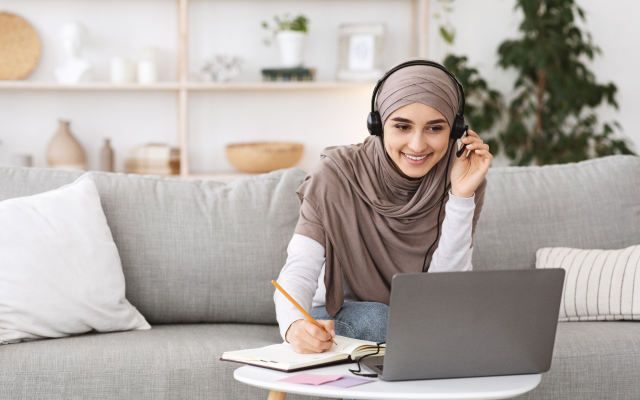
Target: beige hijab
{"type": "Point", "coordinates": [373, 222]}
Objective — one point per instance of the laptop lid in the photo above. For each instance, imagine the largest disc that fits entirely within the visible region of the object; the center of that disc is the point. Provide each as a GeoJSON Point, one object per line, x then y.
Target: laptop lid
{"type": "Point", "coordinates": [469, 324]}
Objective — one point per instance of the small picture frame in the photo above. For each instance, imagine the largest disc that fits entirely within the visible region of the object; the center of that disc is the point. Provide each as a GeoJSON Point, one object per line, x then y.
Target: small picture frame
{"type": "Point", "coordinates": [361, 51]}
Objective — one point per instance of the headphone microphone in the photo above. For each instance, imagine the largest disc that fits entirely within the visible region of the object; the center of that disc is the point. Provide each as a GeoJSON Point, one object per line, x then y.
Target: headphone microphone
{"type": "Point", "coordinates": [374, 125]}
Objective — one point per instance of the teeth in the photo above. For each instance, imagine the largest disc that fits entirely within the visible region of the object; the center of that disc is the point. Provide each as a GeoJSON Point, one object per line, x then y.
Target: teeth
{"type": "Point", "coordinates": [415, 158]}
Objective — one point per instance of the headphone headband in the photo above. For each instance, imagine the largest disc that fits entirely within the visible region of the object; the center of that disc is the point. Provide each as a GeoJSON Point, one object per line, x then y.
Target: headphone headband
{"type": "Point", "coordinates": [410, 63]}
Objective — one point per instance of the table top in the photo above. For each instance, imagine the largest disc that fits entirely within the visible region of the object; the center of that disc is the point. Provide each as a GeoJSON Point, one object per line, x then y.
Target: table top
{"type": "Point", "coordinates": [490, 387]}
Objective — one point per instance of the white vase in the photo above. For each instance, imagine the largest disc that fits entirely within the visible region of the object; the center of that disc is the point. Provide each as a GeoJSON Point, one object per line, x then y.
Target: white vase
{"type": "Point", "coordinates": [291, 45]}
{"type": "Point", "coordinates": [122, 70]}
{"type": "Point", "coordinates": [147, 71]}
{"type": "Point", "coordinates": [148, 65]}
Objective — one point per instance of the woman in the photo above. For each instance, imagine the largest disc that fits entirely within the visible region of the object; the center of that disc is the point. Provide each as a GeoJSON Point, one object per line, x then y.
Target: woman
{"type": "Point", "coordinates": [371, 210]}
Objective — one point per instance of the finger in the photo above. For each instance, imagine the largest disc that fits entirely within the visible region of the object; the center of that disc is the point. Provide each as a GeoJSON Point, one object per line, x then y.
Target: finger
{"type": "Point", "coordinates": [317, 332]}
{"type": "Point", "coordinates": [324, 346]}
{"type": "Point", "coordinates": [328, 326]}
{"type": "Point", "coordinates": [472, 133]}
{"type": "Point", "coordinates": [484, 154]}
{"type": "Point", "coordinates": [478, 146]}
{"type": "Point", "coordinates": [481, 151]}
{"type": "Point", "coordinates": [301, 346]}
{"type": "Point", "coordinates": [313, 344]}
{"type": "Point", "coordinates": [309, 342]}
{"type": "Point", "coordinates": [319, 348]}
{"type": "Point", "coordinates": [471, 139]}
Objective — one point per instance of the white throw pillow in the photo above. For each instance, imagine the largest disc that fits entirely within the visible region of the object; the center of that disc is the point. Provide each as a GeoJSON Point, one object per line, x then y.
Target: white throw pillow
{"type": "Point", "coordinates": [60, 271]}
{"type": "Point", "coordinates": [599, 284]}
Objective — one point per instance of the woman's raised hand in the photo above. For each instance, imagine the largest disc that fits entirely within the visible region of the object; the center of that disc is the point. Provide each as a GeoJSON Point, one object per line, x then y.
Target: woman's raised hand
{"type": "Point", "coordinates": [467, 173]}
{"type": "Point", "coordinates": [306, 338]}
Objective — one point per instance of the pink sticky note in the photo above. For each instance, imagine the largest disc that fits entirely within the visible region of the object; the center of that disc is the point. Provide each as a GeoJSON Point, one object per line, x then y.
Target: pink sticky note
{"type": "Point", "coordinates": [349, 381]}
{"type": "Point", "coordinates": [310, 379]}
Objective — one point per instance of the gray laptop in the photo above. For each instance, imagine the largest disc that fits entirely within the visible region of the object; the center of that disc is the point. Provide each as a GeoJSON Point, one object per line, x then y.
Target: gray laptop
{"type": "Point", "coordinates": [468, 324]}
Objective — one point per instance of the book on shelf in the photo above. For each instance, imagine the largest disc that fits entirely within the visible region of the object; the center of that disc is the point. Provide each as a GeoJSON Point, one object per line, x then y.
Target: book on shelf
{"type": "Point", "coordinates": [154, 159]}
{"type": "Point", "coordinates": [288, 74]}
{"type": "Point", "coordinates": [282, 357]}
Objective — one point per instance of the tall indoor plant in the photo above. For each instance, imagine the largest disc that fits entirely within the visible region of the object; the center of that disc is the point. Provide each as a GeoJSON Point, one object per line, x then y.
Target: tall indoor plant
{"type": "Point", "coordinates": [551, 120]}
{"type": "Point", "coordinates": [290, 34]}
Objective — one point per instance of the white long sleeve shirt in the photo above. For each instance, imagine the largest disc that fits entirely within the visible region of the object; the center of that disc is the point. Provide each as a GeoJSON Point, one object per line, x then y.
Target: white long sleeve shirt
{"type": "Point", "coordinates": [303, 272]}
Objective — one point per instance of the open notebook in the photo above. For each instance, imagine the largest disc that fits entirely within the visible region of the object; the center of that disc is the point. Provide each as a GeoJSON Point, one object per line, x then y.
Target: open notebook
{"type": "Point", "coordinates": [283, 358]}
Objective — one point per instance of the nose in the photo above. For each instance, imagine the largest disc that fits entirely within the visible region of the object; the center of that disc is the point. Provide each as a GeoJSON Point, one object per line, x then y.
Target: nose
{"type": "Point", "coordinates": [417, 144]}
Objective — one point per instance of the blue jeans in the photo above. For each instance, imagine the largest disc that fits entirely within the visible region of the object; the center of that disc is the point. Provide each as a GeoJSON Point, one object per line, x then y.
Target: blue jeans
{"type": "Point", "coordinates": [363, 320]}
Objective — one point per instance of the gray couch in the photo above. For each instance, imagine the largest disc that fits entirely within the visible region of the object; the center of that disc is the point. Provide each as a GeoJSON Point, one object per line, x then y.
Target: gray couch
{"type": "Point", "coordinates": [198, 257]}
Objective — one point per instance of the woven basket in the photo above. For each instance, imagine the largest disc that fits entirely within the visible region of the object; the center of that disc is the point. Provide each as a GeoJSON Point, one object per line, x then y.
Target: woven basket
{"type": "Point", "coordinates": [19, 47]}
{"type": "Point", "coordinates": [264, 157]}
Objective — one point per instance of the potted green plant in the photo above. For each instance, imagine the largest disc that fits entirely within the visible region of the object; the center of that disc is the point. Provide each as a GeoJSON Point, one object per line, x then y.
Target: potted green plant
{"type": "Point", "coordinates": [290, 34]}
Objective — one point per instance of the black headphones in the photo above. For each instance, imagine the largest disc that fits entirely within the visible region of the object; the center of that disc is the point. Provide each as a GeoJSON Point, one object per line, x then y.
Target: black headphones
{"type": "Point", "coordinates": [374, 125]}
{"type": "Point", "coordinates": [374, 121]}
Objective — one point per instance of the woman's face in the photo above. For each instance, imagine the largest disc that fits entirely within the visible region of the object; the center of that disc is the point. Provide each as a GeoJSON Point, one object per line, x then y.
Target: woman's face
{"type": "Point", "coordinates": [416, 137]}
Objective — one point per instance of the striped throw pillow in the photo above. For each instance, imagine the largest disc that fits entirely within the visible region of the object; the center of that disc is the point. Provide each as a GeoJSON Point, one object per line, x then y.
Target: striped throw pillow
{"type": "Point", "coordinates": [599, 284]}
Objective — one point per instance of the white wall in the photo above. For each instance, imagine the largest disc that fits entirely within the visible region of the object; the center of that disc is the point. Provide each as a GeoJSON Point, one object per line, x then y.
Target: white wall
{"type": "Point", "coordinates": [315, 118]}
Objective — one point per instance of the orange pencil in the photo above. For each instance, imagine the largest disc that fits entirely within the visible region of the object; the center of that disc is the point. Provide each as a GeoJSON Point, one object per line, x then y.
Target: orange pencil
{"type": "Point", "coordinates": [295, 303]}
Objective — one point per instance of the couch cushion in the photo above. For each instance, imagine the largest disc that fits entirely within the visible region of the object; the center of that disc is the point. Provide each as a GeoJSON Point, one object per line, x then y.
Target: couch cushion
{"type": "Point", "coordinates": [593, 204]}
{"type": "Point", "coordinates": [60, 272]}
{"type": "Point", "coordinates": [166, 362]}
{"type": "Point", "coordinates": [191, 251]}
{"type": "Point", "coordinates": [593, 360]}
{"type": "Point", "coordinates": [599, 284]}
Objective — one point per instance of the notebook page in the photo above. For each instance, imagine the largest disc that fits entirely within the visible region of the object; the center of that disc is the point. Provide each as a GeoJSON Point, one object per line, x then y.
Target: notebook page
{"type": "Point", "coordinates": [348, 345]}
{"type": "Point", "coordinates": [281, 354]}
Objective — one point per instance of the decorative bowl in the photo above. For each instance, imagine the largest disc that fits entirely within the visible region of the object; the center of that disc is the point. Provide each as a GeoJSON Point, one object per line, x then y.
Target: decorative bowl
{"type": "Point", "coordinates": [264, 156]}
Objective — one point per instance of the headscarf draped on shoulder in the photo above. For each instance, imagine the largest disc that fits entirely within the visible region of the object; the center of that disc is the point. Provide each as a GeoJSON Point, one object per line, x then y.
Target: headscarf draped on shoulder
{"type": "Point", "coordinates": [373, 222]}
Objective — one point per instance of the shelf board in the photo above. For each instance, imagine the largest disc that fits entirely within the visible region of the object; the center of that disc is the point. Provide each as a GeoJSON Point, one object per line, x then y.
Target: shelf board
{"type": "Point", "coordinates": [190, 86]}
{"type": "Point", "coordinates": [108, 86]}
{"type": "Point", "coordinates": [258, 86]}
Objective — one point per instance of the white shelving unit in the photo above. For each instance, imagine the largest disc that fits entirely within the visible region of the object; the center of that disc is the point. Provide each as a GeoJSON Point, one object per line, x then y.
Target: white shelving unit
{"type": "Point", "coordinates": [183, 87]}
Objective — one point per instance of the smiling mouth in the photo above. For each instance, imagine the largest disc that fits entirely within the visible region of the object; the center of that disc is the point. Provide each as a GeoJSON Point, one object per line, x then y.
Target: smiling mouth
{"type": "Point", "coordinates": [415, 158]}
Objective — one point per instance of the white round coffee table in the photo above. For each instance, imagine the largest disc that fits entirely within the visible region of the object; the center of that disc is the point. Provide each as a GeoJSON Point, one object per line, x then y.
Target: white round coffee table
{"type": "Point", "coordinates": [491, 387]}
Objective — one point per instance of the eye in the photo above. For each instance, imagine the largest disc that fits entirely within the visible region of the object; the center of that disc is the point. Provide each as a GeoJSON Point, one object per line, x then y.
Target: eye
{"type": "Point", "coordinates": [435, 128]}
{"type": "Point", "coordinates": [402, 128]}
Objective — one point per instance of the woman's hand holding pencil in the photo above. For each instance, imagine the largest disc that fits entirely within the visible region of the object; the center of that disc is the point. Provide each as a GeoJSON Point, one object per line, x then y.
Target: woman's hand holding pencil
{"type": "Point", "coordinates": [308, 336]}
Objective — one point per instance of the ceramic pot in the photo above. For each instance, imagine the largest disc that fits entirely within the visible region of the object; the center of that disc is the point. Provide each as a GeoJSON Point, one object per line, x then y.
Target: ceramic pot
{"type": "Point", "coordinates": [22, 160]}
{"type": "Point", "coordinates": [291, 46]}
{"type": "Point", "coordinates": [106, 157]}
{"type": "Point", "coordinates": [64, 150]}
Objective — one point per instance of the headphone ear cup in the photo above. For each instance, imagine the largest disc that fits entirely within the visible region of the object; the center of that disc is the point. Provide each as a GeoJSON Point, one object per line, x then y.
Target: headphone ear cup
{"type": "Point", "coordinates": [459, 127]}
{"type": "Point", "coordinates": [374, 123]}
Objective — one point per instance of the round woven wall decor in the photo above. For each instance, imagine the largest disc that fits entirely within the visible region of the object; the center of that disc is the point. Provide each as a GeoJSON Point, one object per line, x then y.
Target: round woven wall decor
{"type": "Point", "coordinates": [19, 47]}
